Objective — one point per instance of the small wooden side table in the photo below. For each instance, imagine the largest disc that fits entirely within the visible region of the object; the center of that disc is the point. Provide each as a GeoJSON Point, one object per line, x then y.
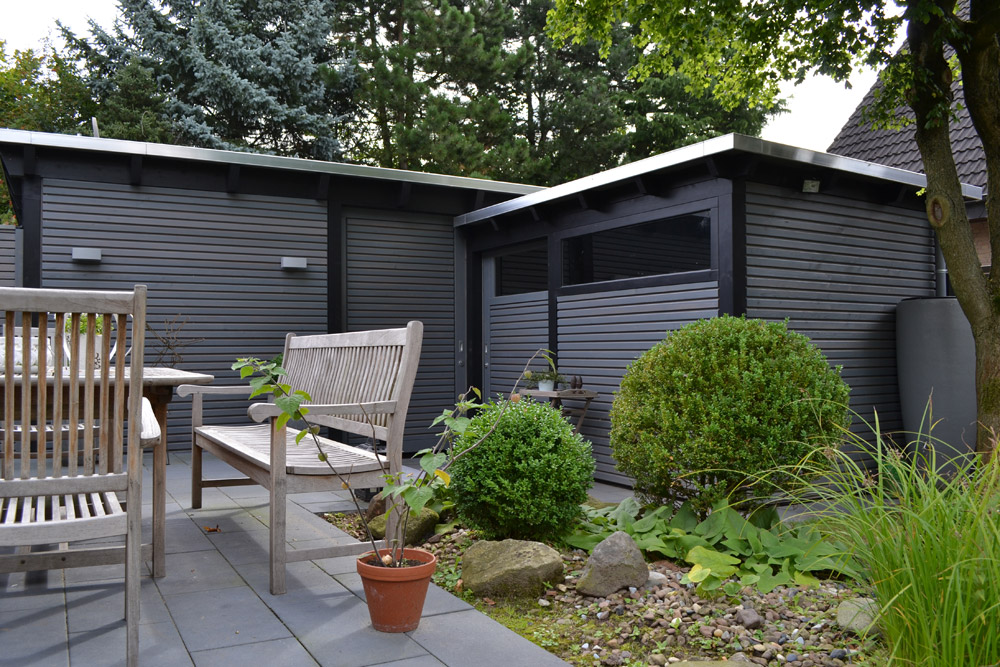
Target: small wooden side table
{"type": "Point", "coordinates": [556, 399]}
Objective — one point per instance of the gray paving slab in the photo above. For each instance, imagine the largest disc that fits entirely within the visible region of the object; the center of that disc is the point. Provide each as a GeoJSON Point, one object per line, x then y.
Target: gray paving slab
{"type": "Point", "coordinates": [159, 646]}
{"type": "Point", "coordinates": [183, 535]}
{"type": "Point", "coordinates": [279, 652]}
{"type": "Point", "coordinates": [336, 630]}
{"type": "Point", "coordinates": [226, 519]}
{"type": "Point", "coordinates": [243, 546]}
{"type": "Point", "coordinates": [422, 661]}
{"type": "Point", "coordinates": [491, 645]}
{"type": "Point", "coordinates": [300, 575]}
{"type": "Point", "coordinates": [198, 571]}
{"type": "Point", "coordinates": [34, 637]}
{"type": "Point", "coordinates": [94, 605]}
{"type": "Point", "coordinates": [21, 591]}
{"type": "Point", "coordinates": [338, 565]}
{"type": "Point", "coordinates": [225, 617]}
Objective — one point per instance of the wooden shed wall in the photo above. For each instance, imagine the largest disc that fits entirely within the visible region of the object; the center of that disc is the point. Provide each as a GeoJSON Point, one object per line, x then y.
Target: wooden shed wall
{"type": "Point", "coordinates": [837, 267]}
{"type": "Point", "coordinates": [8, 255]}
{"type": "Point", "coordinates": [401, 267]}
{"type": "Point", "coordinates": [212, 264]}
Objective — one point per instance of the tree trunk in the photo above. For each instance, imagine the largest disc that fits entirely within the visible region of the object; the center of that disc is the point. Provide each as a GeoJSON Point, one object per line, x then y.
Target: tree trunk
{"type": "Point", "coordinates": [931, 102]}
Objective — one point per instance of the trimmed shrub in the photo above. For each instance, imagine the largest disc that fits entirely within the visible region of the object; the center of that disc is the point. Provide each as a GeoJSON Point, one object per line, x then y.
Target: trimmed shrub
{"type": "Point", "coordinates": [719, 401]}
{"type": "Point", "coordinates": [527, 479]}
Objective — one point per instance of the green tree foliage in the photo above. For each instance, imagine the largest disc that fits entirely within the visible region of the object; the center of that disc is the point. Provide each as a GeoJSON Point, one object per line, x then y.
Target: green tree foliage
{"type": "Point", "coordinates": [134, 109]}
{"type": "Point", "coordinates": [748, 48]}
{"type": "Point", "coordinates": [255, 75]}
{"type": "Point", "coordinates": [476, 88]}
{"type": "Point", "coordinates": [433, 80]}
{"type": "Point", "coordinates": [42, 92]}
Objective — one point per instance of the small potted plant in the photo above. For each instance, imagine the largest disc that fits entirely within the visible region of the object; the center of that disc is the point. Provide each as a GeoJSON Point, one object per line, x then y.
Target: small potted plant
{"type": "Point", "coordinates": [544, 380]}
{"type": "Point", "coordinates": [395, 578]}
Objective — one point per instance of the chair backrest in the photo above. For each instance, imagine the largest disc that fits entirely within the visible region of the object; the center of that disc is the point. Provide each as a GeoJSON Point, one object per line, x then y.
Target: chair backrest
{"type": "Point", "coordinates": [64, 410]}
{"type": "Point", "coordinates": [358, 367]}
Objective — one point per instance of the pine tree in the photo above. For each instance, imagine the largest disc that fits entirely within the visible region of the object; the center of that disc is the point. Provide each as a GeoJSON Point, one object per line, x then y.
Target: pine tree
{"type": "Point", "coordinates": [255, 75]}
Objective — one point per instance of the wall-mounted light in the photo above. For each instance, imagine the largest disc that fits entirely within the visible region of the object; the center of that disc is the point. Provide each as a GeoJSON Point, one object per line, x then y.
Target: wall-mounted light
{"type": "Point", "coordinates": [294, 263]}
{"type": "Point", "coordinates": [810, 186]}
{"type": "Point", "coordinates": [87, 255]}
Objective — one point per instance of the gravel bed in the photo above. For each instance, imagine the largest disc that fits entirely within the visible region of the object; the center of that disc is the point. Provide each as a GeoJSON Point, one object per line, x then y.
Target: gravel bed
{"type": "Point", "coordinates": [668, 622]}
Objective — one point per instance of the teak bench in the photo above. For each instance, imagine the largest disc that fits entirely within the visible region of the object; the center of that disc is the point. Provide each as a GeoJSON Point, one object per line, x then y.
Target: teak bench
{"type": "Point", "coordinates": [371, 369]}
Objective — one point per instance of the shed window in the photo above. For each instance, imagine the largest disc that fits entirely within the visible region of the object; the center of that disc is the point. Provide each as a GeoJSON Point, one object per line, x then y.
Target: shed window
{"type": "Point", "coordinates": [670, 245]}
{"type": "Point", "coordinates": [522, 271]}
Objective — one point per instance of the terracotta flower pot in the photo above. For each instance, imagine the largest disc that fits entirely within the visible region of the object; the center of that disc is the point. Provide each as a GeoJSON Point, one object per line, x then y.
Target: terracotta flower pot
{"type": "Point", "coordinates": [396, 594]}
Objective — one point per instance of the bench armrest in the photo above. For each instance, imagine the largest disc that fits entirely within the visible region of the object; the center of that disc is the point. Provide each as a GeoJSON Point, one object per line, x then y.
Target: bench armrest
{"type": "Point", "coordinates": [149, 433]}
{"type": "Point", "coordinates": [186, 390]}
{"type": "Point", "coordinates": [261, 411]}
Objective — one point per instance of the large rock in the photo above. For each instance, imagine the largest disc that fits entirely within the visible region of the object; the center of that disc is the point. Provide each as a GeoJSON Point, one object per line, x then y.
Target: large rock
{"type": "Point", "coordinates": [616, 563]}
{"type": "Point", "coordinates": [858, 615]}
{"type": "Point", "coordinates": [511, 568]}
{"type": "Point", "coordinates": [417, 527]}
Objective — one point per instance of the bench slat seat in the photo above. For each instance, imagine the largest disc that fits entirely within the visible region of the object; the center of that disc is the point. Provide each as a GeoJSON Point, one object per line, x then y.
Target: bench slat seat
{"type": "Point", "coordinates": [254, 444]}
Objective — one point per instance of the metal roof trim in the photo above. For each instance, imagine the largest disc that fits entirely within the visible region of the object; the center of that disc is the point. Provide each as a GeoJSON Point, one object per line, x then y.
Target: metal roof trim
{"type": "Point", "coordinates": [74, 142]}
{"type": "Point", "coordinates": [714, 146]}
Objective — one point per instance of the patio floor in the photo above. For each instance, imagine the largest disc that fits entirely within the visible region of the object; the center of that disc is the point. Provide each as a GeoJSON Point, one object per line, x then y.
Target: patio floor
{"type": "Point", "coordinates": [213, 606]}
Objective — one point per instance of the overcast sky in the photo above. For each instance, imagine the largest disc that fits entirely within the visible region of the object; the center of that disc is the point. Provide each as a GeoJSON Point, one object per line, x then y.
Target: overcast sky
{"type": "Point", "coordinates": [817, 109]}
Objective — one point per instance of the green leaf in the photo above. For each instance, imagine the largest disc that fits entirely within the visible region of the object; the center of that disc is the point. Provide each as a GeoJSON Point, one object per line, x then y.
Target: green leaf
{"type": "Point", "coordinates": [769, 581]}
{"type": "Point", "coordinates": [685, 519]}
{"type": "Point", "coordinates": [586, 541]}
{"type": "Point", "coordinates": [431, 462]}
{"type": "Point", "coordinates": [289, 404]}
{"type": "Point", "coordinates": [721, 565]}
{"type": "Point", "coordinates": [697, 574]}
{"type": "Point", "coordinates": [300, 435]}
{"type": "Point", "coordinates": [803, 579]}
{"type": "Point", "coordinates": [732, 588]}
{"type": "Point", "coordinates": [282, 420]}
{"type": "Point", "coordinates": [245, 371]}
{"type": "Point", "coordinates": [416, 497]}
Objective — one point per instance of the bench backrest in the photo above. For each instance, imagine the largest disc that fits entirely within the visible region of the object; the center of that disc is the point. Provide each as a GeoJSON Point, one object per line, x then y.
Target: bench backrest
{"type": "Point", "coordinates": [360, 367]}
{"type": "Point", "coordinates": [62, 415]}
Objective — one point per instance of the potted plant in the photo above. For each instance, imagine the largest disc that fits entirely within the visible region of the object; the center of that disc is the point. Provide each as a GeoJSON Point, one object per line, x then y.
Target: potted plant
{"type": "Point", "coordinates": [396, 577]}
{"type": "Point", "coordinates": [544, 380]}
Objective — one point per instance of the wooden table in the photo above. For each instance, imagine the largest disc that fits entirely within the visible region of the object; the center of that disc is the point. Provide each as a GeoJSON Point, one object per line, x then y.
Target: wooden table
{"type": "Point", "coordinates": [158, 386]}
{"type": "Point", "coordinates": [556, 398]}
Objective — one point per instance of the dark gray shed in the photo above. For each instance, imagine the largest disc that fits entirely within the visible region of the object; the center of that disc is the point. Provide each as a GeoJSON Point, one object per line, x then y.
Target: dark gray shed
{"type": "Point", "coordinates": [598, 270]}
{"type": "Point", "coordinates": [207, 231]}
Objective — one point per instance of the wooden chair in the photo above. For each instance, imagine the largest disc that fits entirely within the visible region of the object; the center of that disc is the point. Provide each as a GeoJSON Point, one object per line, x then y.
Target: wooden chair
{"type": "Point", "coordinates": [62, 473]}
{"type": "Point", "coordinates": [373, 369]}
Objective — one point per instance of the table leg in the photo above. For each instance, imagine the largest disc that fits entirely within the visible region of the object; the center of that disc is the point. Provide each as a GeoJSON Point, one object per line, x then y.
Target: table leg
{"type": "Point", "coordinates": [159, 486]}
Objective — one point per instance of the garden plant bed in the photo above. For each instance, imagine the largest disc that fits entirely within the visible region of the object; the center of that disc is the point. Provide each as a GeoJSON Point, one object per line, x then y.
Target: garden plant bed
{"type": "Point", "coordinates": [666, 623]}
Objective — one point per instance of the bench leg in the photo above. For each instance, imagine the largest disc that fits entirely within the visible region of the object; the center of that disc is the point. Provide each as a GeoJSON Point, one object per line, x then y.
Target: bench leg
{"type": "Point", "coordinates": [195, 476]}
{"type": "Point", "coordinates": [277, 512]}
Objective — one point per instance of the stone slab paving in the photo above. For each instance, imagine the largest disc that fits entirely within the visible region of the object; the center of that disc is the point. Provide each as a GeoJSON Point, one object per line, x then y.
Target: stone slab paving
{"type": "Point", "coordinates": [213, 608]}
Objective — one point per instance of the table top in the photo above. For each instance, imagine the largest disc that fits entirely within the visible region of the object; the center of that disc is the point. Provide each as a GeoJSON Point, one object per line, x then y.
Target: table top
{"type": "Point", "coordinates": [582, 394]}
{"type": "Point", "coordinates": [152, 376]}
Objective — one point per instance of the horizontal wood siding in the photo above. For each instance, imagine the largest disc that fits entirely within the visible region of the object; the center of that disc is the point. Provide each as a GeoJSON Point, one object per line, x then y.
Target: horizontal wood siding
{"type": "Point", "coordinates": [8, 255]}
{"type": "Point", "coordinates": [837, 268]}
{"type": "Point", "coordinates": [212, 264]}
{"type": "Point", "coordinates": [600, 334]}
{"type": "Point", "coordinates": [518, 327]}
{"type": "Point", "coordinates": [401, 268]}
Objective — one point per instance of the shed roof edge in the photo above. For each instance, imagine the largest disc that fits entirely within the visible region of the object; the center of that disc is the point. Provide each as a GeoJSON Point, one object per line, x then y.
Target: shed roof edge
{"type": "Point", "coordinates": [170, 151]}
{"type": "Point", "coordinates": [704, 149]}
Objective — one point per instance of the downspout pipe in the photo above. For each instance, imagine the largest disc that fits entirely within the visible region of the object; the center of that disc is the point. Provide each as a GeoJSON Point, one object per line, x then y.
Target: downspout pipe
{"type": "Point", "coordinates": [940, 271]}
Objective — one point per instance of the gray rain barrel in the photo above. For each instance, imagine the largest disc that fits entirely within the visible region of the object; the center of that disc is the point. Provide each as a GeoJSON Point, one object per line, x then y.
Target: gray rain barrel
{"type": "Point", "coordinates": [936, 358]}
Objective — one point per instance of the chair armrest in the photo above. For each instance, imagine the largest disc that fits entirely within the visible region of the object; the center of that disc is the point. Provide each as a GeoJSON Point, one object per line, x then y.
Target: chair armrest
{"type": "Point", "coordinates": [261, 411]}
{"type": "Point", "coordinates": [149, 434]}
{"type": "Point", "coordinates": [186, 390]}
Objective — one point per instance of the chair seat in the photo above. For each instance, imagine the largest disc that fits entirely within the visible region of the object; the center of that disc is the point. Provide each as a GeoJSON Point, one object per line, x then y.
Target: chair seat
{"type": "Point", "coordinates": [254, 444]}
{"type": "Point", "coordinates": [29, 520]}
